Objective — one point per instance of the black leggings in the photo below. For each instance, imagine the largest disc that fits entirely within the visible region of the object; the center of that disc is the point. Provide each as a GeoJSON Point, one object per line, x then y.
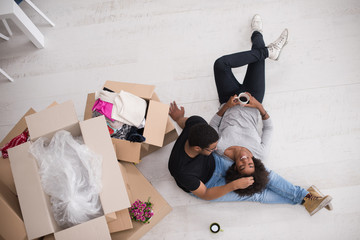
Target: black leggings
{"type": "Point", "coordinates": [254, 82]}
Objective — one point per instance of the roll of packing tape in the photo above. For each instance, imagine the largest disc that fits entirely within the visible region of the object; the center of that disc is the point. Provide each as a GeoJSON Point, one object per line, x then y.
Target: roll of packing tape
{"type": "Point", "coordinates": [215, 228]}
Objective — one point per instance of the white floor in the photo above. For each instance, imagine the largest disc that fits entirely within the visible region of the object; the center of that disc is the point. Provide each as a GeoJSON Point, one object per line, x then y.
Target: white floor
{"type": "Point", "coordinates": [312, 94]}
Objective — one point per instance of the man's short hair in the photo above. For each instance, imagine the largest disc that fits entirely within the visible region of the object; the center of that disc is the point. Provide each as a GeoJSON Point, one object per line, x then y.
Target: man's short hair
{"type": "Point", "coordinates": [202, 135]}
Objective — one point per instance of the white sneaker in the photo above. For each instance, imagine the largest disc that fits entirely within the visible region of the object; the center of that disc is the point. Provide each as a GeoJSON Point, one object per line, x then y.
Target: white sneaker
{"type": "Point", "coordinates": [276, 47]}
{"type": "Point", "coordinates": [256, 23]}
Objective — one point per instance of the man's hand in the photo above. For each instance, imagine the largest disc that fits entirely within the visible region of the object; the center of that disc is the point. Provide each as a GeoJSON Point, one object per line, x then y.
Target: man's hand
{"type": "Point", "coordinates": [175, 112]}
{"type": "Point", "coordinates": [242, 183]}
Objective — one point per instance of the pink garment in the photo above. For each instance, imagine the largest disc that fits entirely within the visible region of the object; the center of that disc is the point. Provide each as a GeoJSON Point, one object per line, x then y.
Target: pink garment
{"type": "Point", "coordinates": [23, 137]}
{"type": "Point", "coordinates": [105, 108]}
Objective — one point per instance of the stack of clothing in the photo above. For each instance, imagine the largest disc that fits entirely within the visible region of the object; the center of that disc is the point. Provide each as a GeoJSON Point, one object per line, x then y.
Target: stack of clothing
{"type": "Point", "coordinates": [124, 114]}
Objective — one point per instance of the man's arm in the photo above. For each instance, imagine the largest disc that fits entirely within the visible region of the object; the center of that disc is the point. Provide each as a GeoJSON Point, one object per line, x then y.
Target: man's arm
{"type": "Point", "coordinates": [177, 114]}
{"type": "Point", "coordinates": [215, 192]}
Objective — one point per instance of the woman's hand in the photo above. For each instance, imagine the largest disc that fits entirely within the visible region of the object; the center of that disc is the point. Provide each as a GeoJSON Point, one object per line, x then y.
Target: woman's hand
{"type": "Point", "coordinates": [256, 104]}
{"type": "Point", "coordinates": [253, 103]}
{"type": "Point", "coordinates": [242, 183]}
{"type": "Point", "coordinates": [233, 101]}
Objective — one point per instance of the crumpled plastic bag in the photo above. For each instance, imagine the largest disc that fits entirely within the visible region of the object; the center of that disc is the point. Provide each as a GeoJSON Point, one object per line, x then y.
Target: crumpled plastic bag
{"type": "Point", "coordinates": [71, 175]}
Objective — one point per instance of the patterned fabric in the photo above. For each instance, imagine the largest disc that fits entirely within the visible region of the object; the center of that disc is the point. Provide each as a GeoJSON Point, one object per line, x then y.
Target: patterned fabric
{"type": "Point", "coordinates": [23, 137]}
{"type": "Point", "coordinates": [122, 132]}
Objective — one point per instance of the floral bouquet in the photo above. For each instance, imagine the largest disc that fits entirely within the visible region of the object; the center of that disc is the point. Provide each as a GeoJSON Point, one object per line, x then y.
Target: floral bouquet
{"type": "Point", "coordinates": [141, 211]}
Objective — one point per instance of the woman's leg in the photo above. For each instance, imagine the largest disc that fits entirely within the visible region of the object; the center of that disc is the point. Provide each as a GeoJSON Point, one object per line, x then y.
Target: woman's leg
{"type": "Point", "coordinates": [254, 81]}
{"type": "Point", "coordinates": [286, 189]}
{"type": "Point", "coordinates": [266, 196]}
{"type": "Point", "coordinates": [226, 83]}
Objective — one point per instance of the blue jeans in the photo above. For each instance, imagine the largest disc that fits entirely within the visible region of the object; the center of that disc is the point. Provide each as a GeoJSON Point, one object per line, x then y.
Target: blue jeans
{"type": "Point", "coordinates": [254, 82]}
{"type": "Point", "coordinates": [278, 190]}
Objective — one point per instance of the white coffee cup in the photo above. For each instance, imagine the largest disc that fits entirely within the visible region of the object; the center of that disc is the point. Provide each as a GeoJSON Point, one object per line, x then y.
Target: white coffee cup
{"type": "Point", "coordinates": [243, 98]}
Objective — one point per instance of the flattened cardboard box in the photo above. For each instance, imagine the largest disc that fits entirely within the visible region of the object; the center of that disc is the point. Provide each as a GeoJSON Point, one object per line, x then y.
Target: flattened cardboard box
{"type": "Point", "coordinates": [140, 188]}
{"type": "Point", "coordinates": [35, 204]}
{"type": "Point", "coordinates": [158, 131]}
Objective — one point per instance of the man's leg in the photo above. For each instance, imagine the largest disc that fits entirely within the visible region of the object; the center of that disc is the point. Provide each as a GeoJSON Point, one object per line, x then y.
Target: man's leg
{"type": "Point", "coordinates": [226, 83]}
{"type": "Point", "coordinates": [254, 81]}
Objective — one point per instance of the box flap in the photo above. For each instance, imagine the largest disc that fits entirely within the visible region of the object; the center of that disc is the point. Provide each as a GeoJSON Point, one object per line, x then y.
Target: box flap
{"type": "Point", "coordinates": [110, 217]}
{"type": "Point", "coordinates": [5, 171]}
{"type": "Point", "coordinates": [90, 101]}
{"type": "Point", "coordinates": [123, 219]}
{"type": "Point", "coordinates": [51, 119]}
{"type": "Point", "coordinates": [11, 223]}
{"type": "Point", "coordinates": [140, 90]}
{"type": "Point", "coordinates": [122, 222]}
{"type": "Point", "coordinates": [126, 150]}
{"type": "Point", "coordinates": [33, 202]}
{"type": "Point", "coordinates": [18, 128]}
{"type": "Point", "coordinates": [156, 120]}
{"type": "Point", "coordinates": [96, 136]}
{"type": "Point", "coordinates": [94, 229]}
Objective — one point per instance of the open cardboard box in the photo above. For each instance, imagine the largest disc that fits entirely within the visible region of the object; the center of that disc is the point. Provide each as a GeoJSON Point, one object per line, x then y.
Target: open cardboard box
{"type": "Point", "coordinates": [159, 130]}
{"type": "Point", "coordinates": [138, 187]}
{"type": "Point", "coordinates": [35, 204]}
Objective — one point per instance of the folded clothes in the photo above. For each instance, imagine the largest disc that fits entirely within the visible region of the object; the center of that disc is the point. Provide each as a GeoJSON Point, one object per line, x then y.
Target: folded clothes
{"type": "Point", "coordinates": [105, 108]}
{"type": "Point", "coordinates": [23, 137]}
{"type": "Point", "coordinates": [125, 131]}
{"type": "Point", "coordinates": [122, 132]}
{"type": "Point", "coordinates": [129, 109]}
{"type": "Point", "coordinates": [111, 131]}
{"type": "Point", "coordinates": [105, 96]}
{"type": "Point", "coordinates": [115, 124]}
{"type": "Point", "coordinates": [134, 135]}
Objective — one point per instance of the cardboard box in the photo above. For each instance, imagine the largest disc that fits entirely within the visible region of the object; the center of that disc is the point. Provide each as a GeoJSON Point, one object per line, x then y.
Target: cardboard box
{"type": "Point", "coordinates": [159, 130]}
{"type": "Point", "coordinates": [140, 188]}
{"type": "Point", "coordinates": [35, 204]}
